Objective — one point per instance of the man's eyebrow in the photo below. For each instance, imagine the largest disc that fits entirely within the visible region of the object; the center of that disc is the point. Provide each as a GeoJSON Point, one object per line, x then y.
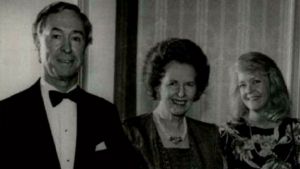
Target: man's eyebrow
{"type": "Point", "coordinates": [75, 31]}
{"type": "Point", "coordinates": [56, 29]}
{"type": "Point", "coordinates": [79, 32]}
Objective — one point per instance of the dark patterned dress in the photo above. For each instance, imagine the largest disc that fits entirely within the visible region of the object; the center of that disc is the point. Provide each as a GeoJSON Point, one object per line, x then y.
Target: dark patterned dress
{"type": "Point", "coordinates": [248, 147]}
{"type": "Point", "coordinates": [204, 150]}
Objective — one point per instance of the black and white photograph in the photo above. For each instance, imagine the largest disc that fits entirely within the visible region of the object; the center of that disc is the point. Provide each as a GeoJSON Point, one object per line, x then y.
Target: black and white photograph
{"type": "Point", "coordinates": [150, 84]}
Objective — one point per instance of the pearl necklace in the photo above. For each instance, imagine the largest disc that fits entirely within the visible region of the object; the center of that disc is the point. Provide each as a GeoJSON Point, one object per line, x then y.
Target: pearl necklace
{"type": "Point", "coordinates": [174, 139]}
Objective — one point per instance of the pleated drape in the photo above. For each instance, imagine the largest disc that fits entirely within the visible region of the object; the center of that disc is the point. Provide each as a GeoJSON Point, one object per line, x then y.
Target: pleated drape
{"type": "Point", "coordinates": [224, 29]}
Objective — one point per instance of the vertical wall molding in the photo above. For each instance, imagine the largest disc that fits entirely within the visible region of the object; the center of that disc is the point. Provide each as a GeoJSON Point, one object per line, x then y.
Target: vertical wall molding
{"type": "Point", "coordinates": [83, 77]}
{"type": "Point", "coordinates": [125, 61]}
{"type": "Point", "coordinates": [295, 81]}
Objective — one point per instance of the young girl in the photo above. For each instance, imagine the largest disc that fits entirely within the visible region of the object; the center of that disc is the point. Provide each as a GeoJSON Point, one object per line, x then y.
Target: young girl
{"type": "Point", "coordinates": [261, 135]}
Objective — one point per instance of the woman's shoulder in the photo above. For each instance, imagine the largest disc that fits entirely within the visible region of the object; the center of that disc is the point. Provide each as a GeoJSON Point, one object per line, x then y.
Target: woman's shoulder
{"type": "Point", "coordinates": [289, 123]}
{"type": "Point", "coordinates": [291, 120]}
{"type": "Point", "coordinates": [139, 128]}
{"type": "Point", "coordinates": [138, 121]}
{"type": "Point", "coordinates": [199, 123]}
{"type": "Point", "coordinates": [207, 129]}
{"type": "Point", "coordinates": [234, 127]}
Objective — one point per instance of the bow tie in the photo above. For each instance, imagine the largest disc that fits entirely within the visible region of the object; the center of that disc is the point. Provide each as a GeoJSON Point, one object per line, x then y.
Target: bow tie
{"type": "Point", "coordinates": [56, 97]}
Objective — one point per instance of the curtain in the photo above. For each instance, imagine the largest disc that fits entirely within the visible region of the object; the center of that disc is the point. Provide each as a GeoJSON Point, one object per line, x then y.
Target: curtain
{"type": "Point", "coordinates": [224, 29]}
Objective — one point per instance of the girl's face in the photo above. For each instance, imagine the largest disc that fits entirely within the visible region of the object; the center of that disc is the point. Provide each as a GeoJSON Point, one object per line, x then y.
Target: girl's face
{"type": "Point", "coordinates": [177, 89]}
{"type": "Point", "coordinates": [254, 89]}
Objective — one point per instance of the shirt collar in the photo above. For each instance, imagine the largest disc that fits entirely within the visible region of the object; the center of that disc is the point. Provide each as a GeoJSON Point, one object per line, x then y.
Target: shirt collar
{"type": "Point", "coordinates": [47, 87]}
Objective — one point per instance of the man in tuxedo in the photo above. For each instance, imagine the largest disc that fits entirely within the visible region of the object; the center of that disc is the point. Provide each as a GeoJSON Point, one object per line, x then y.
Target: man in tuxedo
{"type": "Point", "coordinates": [55, 124]}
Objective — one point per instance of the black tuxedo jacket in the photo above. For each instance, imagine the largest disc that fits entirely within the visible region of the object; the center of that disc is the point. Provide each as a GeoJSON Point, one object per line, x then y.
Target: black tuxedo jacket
{"type": "Point", "coordinates": [26, 140]}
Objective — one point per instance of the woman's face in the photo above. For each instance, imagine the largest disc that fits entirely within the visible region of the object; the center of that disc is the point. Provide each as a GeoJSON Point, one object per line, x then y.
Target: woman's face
{"type": "Point", "coordinates": [177, 89]}
{"type": "Point", "coordinates": [254, 89]}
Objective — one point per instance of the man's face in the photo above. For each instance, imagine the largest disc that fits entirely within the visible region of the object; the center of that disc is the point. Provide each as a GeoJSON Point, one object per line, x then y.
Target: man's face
{"type": "Point", "coordinates": [62, 46]}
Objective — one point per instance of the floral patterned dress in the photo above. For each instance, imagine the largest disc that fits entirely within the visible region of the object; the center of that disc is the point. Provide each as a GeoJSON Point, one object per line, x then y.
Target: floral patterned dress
{"type": "Point", "coordinates": [248, 147]}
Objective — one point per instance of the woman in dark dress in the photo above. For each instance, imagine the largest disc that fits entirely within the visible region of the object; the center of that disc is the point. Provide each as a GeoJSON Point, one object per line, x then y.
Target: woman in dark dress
{"type": "Point", "coordinates": [176, 73]}
{"type": "Point", "coordinates": [261, 135]}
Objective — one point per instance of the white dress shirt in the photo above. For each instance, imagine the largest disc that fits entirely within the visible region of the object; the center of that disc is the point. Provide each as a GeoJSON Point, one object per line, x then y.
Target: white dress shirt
{"type": "Point", "coordinates": [63, 123]}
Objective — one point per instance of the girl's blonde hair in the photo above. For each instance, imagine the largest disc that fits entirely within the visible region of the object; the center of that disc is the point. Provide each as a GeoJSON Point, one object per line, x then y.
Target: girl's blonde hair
{"type": "Point", "coordinates": [278, 105]}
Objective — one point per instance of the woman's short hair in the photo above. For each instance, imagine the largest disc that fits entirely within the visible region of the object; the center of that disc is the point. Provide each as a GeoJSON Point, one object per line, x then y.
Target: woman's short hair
{"type": "Point", "coordinates": [278, 105]}
{"type": "Point", "coordinates": [181, 51]}
{"type": "Point", "coordinates": [40, 21]}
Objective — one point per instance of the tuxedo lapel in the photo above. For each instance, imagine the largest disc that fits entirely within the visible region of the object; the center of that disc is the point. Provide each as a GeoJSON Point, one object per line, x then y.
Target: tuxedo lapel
{"type": "Point", "coordinates": [40, 128]}
{"type": "Point", "coordinates": [84, 141]}
{"type": "Point", "coordinates": [91, 130]}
